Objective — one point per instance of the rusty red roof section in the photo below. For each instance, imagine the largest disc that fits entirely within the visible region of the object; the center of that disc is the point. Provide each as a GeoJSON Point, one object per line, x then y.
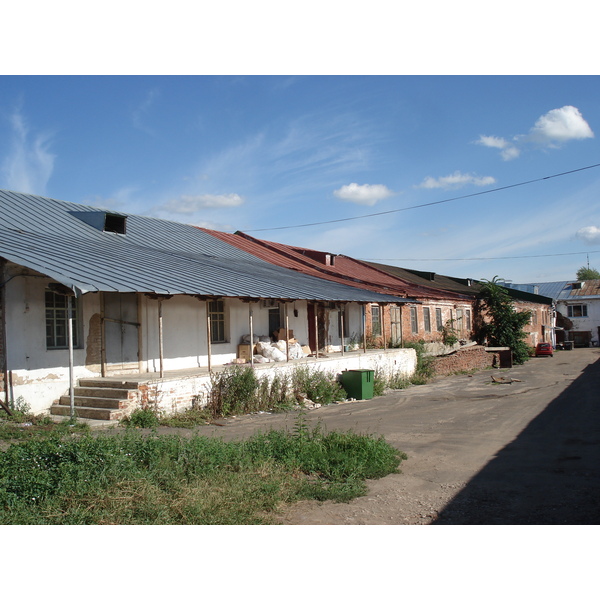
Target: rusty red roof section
{"type": "Point", "coordinates": [333, 267]}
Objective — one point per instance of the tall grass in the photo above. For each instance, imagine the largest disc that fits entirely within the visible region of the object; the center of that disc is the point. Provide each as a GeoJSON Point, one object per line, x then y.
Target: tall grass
{"type": "Point", "coordinates": [134, 479]}
{"type": "Point", "coordinates": [237, 390]}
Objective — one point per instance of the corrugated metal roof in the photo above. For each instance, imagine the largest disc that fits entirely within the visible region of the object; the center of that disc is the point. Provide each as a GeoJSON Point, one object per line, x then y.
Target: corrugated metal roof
{"type": "Point", "coordinates": [154, 256]}
{"type": "Point", "coordinates": [563, 290]}
{"type": "Point", "coordinates": [431, 280]}
{"type": "Point", "coordinates": [343, 268]}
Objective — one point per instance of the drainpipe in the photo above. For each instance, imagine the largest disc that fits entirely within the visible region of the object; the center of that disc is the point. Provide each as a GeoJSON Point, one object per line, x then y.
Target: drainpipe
{"type": "Point", "coordinates": [70, 332]}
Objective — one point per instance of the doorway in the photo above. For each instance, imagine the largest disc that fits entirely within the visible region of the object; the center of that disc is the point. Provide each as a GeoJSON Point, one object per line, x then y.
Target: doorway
{"type": "Point", "coordinates": [121, 326]}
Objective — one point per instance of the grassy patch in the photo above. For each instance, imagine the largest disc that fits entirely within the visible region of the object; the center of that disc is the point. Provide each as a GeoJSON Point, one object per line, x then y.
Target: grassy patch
{"type": "Point", "coordinates": [22, 426]}
{"type": "Point", "coordinates": [136, 479]}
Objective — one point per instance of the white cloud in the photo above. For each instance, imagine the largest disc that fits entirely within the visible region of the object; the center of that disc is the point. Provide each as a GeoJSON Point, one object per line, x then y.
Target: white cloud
{"type": "Point", "coordinates": [141, 112]}
{"type": "Point", "coordinates": [509, 151]}
{"type": "Point", "coordinates": [456, 180]}
{"type": "Point", "coordinates": [366, 194]}
{"type": "Point", "coordinates": [491, 141]}
{"type": "Point", "coordinates": [590, 235]}
{"type": "Point", "coordinates": [560, 125]}
{"type": "Point", "coordinates": [192, 204]}
{"type": "Point", "coordinates": [29, 165]}
{"type": "Point", "coordinates": [557, 126]}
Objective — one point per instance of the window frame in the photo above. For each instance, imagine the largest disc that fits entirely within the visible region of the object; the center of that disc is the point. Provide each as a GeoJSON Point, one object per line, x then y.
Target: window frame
{"type": "Point", "coordinates": [375, 320]}
{"type": "Point", "coordinates": [414, 320]}
{"type": "Point", "coordinates": [583, 309]}
{"type": "Point", "coordinates": [427, 319]}
{"type": "Point", "coordinates": [218, 321]}
{"type": "Point", "coordinates": [439, 320]}
{"type": "Point", "coordinates": [56, 319]}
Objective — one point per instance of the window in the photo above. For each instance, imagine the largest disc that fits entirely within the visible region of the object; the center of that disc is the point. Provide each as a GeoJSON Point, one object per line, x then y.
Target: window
{"type": "Point", "coordinates": [427, 319]}
{"type": "Point", "coordinates": [375, 320]}
{"type": "Point", "coordinates": [459, 319]}
{"type": "Point", "coordinates": [57, 332]}
{"type": "Point", "coordinates": [438, 319]}
{"type": "Point", "coordinates": [216, 313]}
{"type": "Point", "coordinates": [577, 310]}
{"type": "Point", "coordinates": [414, 324]}
{"type": "Point", "coordinates": [468, 316]}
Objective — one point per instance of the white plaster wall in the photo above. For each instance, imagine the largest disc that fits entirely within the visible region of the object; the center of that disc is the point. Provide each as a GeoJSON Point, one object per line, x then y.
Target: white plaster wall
{"type": "Point", "coordinates": [589, 323]}
{"type": "Point", "coordinates": [175, 395]}
{"type": "Point", "coordinates": [40, 376]}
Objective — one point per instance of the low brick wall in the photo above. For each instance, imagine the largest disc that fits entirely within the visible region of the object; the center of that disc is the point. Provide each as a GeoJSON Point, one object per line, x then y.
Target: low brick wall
{"type": "Point", "coordinates": [464, 359]}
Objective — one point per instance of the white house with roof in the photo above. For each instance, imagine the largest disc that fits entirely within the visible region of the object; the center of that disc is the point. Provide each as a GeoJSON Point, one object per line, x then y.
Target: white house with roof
{"type": "Point", "coordinates": [578, 306]}
{"type": "Point", "coordinates": [88, 294]}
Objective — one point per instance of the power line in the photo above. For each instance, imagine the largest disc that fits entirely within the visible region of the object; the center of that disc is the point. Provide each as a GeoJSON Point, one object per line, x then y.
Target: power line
{"type": "Point", "coordinates": [387, 212]}
{"type": "Point", "coordinates": [482, 257]}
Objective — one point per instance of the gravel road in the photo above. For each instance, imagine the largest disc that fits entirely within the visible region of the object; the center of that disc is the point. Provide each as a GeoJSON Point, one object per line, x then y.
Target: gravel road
{"type": "Point", "coordinates": [479, 452]}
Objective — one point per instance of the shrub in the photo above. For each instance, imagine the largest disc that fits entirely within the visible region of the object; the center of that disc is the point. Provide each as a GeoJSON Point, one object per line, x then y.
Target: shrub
{"type": "Point", "coordinates": [318, 386]}
{"type": "Point", "coordinates": [424, 369]}
{"type": "Point", "coordinates": [233, 391]}
{"type": "Point", "coordinates": [142, 417]}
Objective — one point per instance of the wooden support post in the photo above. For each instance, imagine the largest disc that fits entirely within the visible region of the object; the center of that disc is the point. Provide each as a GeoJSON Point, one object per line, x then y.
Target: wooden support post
{"type": "Point", "coordinates": [250, 319]}
{"type": "Point", "coordinates": [382, 306]}
{"type": "Point", "coordinates": [401, 329]}
{"type": "Point", "coordinates": [102, 335]}
{"type": "Point", "coordinates": [316, 332]}
{"type": "Point", "coordinates": [342, 306]}
{"type": "Point", "coordinates": [364, 328]}
{"type": "Point", "coordinates": [160, 339]}
{"type": "Point", "coordinates": [208, 334]}
{"type": "Point", "coordinates": [287, 334]}
{"type": "Point", "coordinates": [71, 344]}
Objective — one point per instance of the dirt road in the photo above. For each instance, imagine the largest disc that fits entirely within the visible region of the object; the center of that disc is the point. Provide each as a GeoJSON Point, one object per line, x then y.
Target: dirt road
{"type": "Point", "coordinates": [479, 452]}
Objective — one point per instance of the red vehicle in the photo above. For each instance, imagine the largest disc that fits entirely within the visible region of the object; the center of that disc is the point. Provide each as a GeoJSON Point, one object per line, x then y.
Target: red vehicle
{"type": "Point", "coordinates": [544, 349]}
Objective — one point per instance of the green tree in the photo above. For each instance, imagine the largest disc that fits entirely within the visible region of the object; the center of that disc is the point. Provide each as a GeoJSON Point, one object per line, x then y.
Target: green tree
{"type": "Point", "coordinates": [503, 325]}
{"type": "Point", "coordinates": [586, 273]}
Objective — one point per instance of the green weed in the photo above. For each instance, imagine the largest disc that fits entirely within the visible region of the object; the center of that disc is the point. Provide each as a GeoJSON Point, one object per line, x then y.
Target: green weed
{"type": "Point", "coordinates": [135, 479]}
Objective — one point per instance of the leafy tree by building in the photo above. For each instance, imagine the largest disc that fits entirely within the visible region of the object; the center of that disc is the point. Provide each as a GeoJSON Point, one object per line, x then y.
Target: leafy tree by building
{"type": "Point", "coordinates": [503, 325]}
{"type": "Point", "coordinates": [587, 273]}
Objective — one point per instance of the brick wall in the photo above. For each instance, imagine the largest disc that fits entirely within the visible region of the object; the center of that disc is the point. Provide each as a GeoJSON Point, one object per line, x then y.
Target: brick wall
{"type": "Point", "coordinates": [464, 359]}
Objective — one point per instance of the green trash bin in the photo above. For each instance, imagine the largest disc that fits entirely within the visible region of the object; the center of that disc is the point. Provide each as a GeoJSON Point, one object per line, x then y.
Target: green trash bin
{"type": "Point", "coordinates": [358, 383]}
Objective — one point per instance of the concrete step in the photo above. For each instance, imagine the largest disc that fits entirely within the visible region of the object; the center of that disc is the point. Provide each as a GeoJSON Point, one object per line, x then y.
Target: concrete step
{"type": "Point", "coordinates": [94, 402]}
{"type": "Point", "coordinates": [108, 383]}
{"type": "Point", "coordinates": [104, 392]}
{"type": "Point", "coordinates": [86, 412]}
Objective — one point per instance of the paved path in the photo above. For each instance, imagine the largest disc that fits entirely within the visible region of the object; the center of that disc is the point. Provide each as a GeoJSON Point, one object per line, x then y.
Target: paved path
{"type": "Point", "coordinates": [479, 453]}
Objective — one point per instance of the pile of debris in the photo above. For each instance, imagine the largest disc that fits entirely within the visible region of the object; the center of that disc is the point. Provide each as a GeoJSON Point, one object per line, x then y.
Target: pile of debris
{"type": "Point", "coordinates": [265, 351]}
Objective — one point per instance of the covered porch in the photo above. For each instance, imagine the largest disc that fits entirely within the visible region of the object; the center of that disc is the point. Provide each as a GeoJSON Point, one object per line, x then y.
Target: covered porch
{"type": "Point", "coordinates": [115, 396]}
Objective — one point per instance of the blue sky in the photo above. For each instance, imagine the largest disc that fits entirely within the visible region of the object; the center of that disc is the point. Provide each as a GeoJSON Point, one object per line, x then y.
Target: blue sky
{"type": "Point", "coordinates": [257, 153]}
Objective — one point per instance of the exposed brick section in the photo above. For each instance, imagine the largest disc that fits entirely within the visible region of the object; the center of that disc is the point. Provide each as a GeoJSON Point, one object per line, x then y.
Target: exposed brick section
{"type": "Point", "coordinates": [94, 344]}
{"type": "Point", "coordinates": [465, 359]}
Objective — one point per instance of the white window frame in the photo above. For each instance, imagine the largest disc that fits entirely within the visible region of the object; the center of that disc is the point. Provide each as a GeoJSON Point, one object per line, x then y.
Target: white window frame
{"type": "Point", "coordinates": [582, 308]}
{"type": "Point", "coordinates": [56, 318]}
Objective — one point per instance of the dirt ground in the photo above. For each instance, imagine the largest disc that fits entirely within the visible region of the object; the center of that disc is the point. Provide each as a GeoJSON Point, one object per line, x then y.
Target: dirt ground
{"type": "Point", "coordinates": [479, 452]}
